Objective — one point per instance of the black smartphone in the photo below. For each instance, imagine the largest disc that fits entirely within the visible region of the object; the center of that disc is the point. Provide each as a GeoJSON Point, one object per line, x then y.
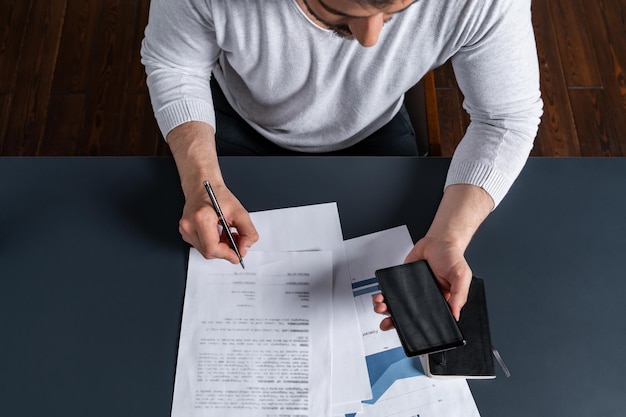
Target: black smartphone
{"type": "Point", "coordinates": [418, 309]}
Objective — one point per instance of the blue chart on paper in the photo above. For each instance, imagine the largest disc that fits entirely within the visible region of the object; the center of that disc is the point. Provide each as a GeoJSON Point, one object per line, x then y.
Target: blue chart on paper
{"type": "Point", "coordinates": [386, 367]}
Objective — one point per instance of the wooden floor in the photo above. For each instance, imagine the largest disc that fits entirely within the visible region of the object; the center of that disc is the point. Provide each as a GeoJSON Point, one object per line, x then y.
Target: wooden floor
{"type": "Point", "coordinates": [71, 82]}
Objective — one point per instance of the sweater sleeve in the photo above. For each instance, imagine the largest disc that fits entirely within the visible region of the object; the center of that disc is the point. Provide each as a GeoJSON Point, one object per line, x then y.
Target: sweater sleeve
{"type": "Point", "coordinates": [179, 52]}
{"type": "Point", "coordinates": [498, 73]}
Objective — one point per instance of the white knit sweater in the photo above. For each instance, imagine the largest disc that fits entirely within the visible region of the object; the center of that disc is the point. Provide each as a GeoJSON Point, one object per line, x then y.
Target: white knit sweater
{"type": "Point", "coordinates": [306, 89]}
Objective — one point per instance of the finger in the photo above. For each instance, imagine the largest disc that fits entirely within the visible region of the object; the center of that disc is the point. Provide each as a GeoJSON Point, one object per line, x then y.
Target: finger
{"type": "Point", "coordinates": [225, 250]}
{"type": "Point", "coordinates": [459, 291]}
{"type": "Point", "coordinates": [207, 239]}
{"type": "Point", "coordinates": [378, 298]}
{"type": "Point", "coordinates": [188, 233]}
{"type": "Point", "coordinates": [455, 308]}
{"type": "Point", "coordinates": [456, 303]}
{"type": "Point", "coordinates": [386, 324]}
{"type": "Point", "coordinates": [379, 304]}
{"type": "Point", "coordinates": [191, 236]}
{"type": "Point", "coordinates": [381, 308]}
{"type": "Point", "coordinates": [417, 252]}
{"type": "Point", "coordinates": [413, 256]}
{"type": "Point", "coordinates": [246, 235]}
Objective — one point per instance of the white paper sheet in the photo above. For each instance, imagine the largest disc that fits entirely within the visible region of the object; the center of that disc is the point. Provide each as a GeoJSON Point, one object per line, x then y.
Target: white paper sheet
{"type": "Point", "coordinates": [317, 227]}
{"type": "Point", "coordinates": [256, 342]}
{"type": "Point", "coordinates": [399, 386]}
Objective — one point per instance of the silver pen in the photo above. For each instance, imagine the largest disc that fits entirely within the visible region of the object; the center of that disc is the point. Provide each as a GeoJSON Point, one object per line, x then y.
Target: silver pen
{"type": "Point", "coordinates": [220, 215]}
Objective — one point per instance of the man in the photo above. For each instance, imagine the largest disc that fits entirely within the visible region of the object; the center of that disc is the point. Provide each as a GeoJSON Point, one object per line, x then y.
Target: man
{"type": "Point", "coordinates": [323, 76]}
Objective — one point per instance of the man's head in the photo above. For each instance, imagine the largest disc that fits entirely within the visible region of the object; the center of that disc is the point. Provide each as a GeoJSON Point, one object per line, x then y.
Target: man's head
{"type": "Point", "coordinates": [354, 19]}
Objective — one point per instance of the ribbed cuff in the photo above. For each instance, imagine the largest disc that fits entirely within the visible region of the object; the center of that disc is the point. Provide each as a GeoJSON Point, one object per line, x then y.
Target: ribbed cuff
{"type": "Point", "coordinates": [480, 175]}
{"type": "Point", "coordinates": [184, 111]}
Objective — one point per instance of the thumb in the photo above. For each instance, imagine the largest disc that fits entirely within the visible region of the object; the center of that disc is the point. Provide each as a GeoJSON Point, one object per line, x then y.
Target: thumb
{"type": "Point", "coordinates": [456, 303]}
{"type": "Point", "coordinates": [458, 296]}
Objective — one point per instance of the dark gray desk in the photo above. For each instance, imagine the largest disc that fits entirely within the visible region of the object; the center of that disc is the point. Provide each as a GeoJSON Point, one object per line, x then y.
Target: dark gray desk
{"type": "Point", "coordinates": [92, 274]}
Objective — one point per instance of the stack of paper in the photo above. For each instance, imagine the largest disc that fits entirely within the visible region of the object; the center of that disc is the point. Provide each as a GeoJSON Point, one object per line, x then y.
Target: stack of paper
{"type": "Point", "coordinates": [294, 334]}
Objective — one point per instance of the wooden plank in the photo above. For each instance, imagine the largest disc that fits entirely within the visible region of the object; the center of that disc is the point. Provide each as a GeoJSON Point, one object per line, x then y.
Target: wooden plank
{"type": "Point", "coordinates": [593, 121]}
{"type": "Point", "coordinates": [5, 106]}
{"type": "Point", "coordinates": [77, 46]}
{"type": "Point", "coordinates": [557, 132]}
{"type": "Point", "coordinates": [110, 63]}
{"type": "Point", "coordinates": [63, 125]}
{"type": "Point", "coordinates": [141, 133]}
{"type": "Point", "coordinates": [137, 72]}
{"type": "Point", "coordinates": [609, 41]}
{"type": "Point", "coordinates": [13, 18]}
{"type": "Point", "coordinates": [574, 44]}
{"type": "Point", "coordinates": [34, 79]}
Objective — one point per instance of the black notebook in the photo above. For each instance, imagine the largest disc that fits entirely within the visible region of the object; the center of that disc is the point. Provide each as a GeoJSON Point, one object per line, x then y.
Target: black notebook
{"type": "Point", "coordinates": [418, 309]}
{"type": "Point", "coordinates": [474, 360]}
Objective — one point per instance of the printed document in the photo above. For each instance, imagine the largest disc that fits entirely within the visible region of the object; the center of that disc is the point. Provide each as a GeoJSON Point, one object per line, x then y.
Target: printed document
{"type": "Point", "coordinates": [256, 342]}
{"type": "Point", "coordinates": [317, 227]}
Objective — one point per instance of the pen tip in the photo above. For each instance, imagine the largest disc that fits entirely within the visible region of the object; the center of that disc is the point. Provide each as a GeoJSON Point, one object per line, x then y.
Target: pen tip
{"type": "Point", "coordinates": [242, 265]}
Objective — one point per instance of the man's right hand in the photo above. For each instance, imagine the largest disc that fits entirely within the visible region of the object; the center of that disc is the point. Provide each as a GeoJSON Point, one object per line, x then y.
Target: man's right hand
{"type": "Point", "coordinates": [199, 225]}
{"type": "Point", "coordinates": [193, 147]}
